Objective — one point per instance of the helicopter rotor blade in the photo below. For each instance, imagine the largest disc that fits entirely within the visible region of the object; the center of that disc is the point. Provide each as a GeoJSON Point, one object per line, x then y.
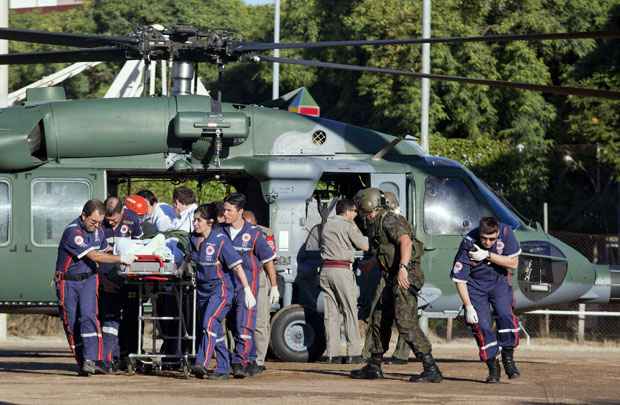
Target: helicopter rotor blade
{"type": "Point", "coordinates": [560, 90]}
{"type": "Point", "coordinates": [60, 38]}
{"type": "Point", "coordinates": [75, 55]}
{"type": "Point", "coordinates": [264, 46]}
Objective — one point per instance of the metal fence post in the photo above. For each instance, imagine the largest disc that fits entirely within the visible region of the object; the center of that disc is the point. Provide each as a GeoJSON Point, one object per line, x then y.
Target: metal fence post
{"type": "Point", "coordinates": [3, 326]}
{"type": "Point", "coordinates": [581, 324]}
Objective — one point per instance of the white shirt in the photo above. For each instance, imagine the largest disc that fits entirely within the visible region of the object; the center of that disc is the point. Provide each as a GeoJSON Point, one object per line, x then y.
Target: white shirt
{"type": "Point", "coordinates": [184, 221]}
{"type": "Point", "coordinates": [161, 217]}
{"type": "Point", "coordinates": [234, 232]}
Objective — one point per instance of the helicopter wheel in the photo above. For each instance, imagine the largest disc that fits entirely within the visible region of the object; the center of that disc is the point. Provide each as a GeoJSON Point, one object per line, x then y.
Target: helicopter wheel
{"type": "Point", "coordinates": [297, 334]}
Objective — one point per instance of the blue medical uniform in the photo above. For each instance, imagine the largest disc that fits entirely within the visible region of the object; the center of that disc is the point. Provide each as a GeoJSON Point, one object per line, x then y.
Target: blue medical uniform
{"type": "Point", "coordinates": [213, 258]}
{"type": "Point", "coordinates": [255, 251]}
{"type": "Point", "coordinates": [77, 283]}
{"type": "Point", "coordinates": [116, 308]}
{"type": "Point", "coordinates": [490, 289]}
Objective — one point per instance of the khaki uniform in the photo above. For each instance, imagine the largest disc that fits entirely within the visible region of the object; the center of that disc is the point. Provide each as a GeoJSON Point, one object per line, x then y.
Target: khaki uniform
{"type": "Point", "coordinates": [391, 302]}
{"type": "Point", "coordinates": [339, 239]}
{"type": "Point", "coordinates": [263, 309]}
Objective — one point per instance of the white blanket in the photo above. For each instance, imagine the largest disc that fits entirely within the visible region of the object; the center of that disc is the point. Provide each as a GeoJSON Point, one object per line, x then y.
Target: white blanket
{"type": "Point", "coordinates": [155, 246]}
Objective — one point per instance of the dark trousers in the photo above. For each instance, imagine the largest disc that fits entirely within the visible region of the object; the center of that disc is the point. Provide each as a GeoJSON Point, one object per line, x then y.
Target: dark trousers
{"type": "Point", "coordinates": [77, 305]}
{"type": "Point", "coordinates": [494, 302]}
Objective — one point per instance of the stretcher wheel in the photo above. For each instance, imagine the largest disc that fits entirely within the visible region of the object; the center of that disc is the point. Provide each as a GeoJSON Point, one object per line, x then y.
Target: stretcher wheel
{"type": "Point", "coordinates": [131, 367]}
{"type": "Point", "coordinates": [187, 372]}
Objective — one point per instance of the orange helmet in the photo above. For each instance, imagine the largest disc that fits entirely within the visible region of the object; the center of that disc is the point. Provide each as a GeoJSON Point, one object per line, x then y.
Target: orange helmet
{"type": "Point", "coordinates": [137, 204]}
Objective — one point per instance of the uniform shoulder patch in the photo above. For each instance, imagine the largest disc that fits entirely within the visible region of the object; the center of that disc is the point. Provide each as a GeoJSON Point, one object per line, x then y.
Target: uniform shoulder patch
{"type": "Point", "coordinates": [78, 240]}
{"type": "Point", "coordinates": [499, 246]}
{"type": "Point", "coordinates": [458, 266]}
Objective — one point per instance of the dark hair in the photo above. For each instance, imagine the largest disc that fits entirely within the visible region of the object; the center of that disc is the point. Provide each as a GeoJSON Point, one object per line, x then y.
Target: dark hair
{"type": "Point", "coordinates": [148, 196]}
{"type": "Point", "coordinates": [92, 206]}
{"type": "Point", "coordinates": [183, 195]}
{"type": "Point", "coordinates": [488, 225]}
{"type": "Point", "coordinates": [207, 212]}
{"type": "Point", "coordinates": [236, 199]}
{"type": "Point", "coordinates": [220, 207]}
{"type": "Point", "coordinates": [113, 206]}
{"type": "Point", "coordinates": [343, 205]}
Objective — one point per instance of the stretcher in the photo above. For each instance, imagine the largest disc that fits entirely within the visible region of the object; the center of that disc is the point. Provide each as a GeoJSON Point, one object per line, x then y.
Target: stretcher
{"type": "Point", "coordinates": [171, 293]}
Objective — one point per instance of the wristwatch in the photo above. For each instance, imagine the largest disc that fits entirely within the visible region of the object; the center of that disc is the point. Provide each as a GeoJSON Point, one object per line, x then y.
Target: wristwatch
{"type": "Point", "coordinates": [406, 266]}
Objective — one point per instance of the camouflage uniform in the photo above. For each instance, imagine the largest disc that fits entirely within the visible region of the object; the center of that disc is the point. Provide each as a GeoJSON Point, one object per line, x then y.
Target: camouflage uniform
{"type": "Point", "coordinates": [393, 303]}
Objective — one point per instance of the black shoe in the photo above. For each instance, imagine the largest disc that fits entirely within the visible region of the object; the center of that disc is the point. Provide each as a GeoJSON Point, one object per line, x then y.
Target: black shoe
{"type": "Point", "coordinates": [218, 376]}
{"type": "Point", "coordinates": [91, 367]}
{"type": "Point", "coordinates": [239, 371]}
{"type": "Point", "coordinates": [431, 373]}
{"type": "Point", "coordinates": [254, 369]}
{"type": "Point", "coordinates": [199, 371]}
{"type": "Point", "coordinates": [352, 360]}
{"type": "Point", "coordinates": [510, 367]}
{"type": "Point", "coordinates": [494, 371]}
{"type": "Point", "coordinates": [112, 368]}
{"type": "Point", "coordinates": [331, 360]}
{"type": "Point", "coordinates": [396, 360]}
{"type": "Point", "coordinates": [82, 373]}
{"type": "Point", "coordinates": [370, 371]}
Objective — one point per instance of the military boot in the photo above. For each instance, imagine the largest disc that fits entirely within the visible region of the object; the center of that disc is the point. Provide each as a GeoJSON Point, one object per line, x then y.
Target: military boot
{"type": "Point", "coordinates": [510, 367]}
{"type": "Point", "coordinates": [494, 371]}
{"type": "Point", "coordinates": [371, 371]}
{"type": "Point", "coordinates": [431, 371]}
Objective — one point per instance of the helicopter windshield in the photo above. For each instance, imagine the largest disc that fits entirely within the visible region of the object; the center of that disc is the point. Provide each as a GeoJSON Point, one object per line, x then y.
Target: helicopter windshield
{"type": "Point", "coordinates": [498, 204]}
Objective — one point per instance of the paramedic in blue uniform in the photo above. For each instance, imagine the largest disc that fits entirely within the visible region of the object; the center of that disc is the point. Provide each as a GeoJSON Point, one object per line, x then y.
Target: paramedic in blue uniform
{"type": "Point", "coordinates": [80, 250]}
{"type": "Point", "coordinates": [214, 259]}
{"type": "Point", "coordinates": [482, 273]}
{"type": "Point", "coordinates": [121, 221]}
{"type": "Point", "coordinates": [256, 253]}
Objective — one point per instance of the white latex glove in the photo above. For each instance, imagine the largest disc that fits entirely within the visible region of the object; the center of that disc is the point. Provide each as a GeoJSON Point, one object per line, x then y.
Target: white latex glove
{"type": "Point", "coordinates": [471, 315]}
{"type": "Point", "coordinates": [127, 258]}
{"type": "Point", "coordinates": [274, 295]}
{"type": "Point", "coordinates": [478, 254]}
{"type": "Point", "coordinates": [250, 301]}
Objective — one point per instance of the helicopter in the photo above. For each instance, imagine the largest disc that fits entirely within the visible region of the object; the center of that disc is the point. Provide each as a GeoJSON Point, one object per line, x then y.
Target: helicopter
{"type": "Point", "coordinates": [55, 154]}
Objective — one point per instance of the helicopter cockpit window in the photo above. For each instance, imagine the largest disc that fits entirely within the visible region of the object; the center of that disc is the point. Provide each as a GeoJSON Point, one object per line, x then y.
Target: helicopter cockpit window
{"type": "Point", "coordinates": [5, 212]}
{"type": "Point", "coordinates": [55, 203]}
{"type": "Point", "coordinates": [450, 208]}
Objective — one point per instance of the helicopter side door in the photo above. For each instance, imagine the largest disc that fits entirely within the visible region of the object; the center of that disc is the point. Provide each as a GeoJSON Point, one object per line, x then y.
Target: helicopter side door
{"type": "Point", "coordinates": [45, 200]}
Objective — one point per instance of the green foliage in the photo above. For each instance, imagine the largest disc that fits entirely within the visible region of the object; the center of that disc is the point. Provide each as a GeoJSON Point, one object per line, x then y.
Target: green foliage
{"type": "Point", "coordinates": [480, 126]}
{"type": "Point", "coordinates": [206, 192]}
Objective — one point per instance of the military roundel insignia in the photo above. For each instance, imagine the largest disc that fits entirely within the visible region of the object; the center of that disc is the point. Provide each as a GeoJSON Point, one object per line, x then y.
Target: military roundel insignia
{"type": "Point", "coordinates": [458, 266]}
{"type": "Point", "coordinates": [79, 240]}
{"type": "Point", "coordinates": [246, 237]}
{"type": "Point", "coordinates": [124, 228]}
{"type": "Point", "coordinates": [210, 250]}
{"type": "Point", "coordinates": [499, 247]}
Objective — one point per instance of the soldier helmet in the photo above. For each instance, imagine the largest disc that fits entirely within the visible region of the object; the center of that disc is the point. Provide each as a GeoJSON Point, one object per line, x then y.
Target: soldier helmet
{"type": "Point", "coordinates": [390, 200]}
{"type": "Point", "coordinates": [369, 199]}
{"type": "Point", "coordinates": [137, 204]}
